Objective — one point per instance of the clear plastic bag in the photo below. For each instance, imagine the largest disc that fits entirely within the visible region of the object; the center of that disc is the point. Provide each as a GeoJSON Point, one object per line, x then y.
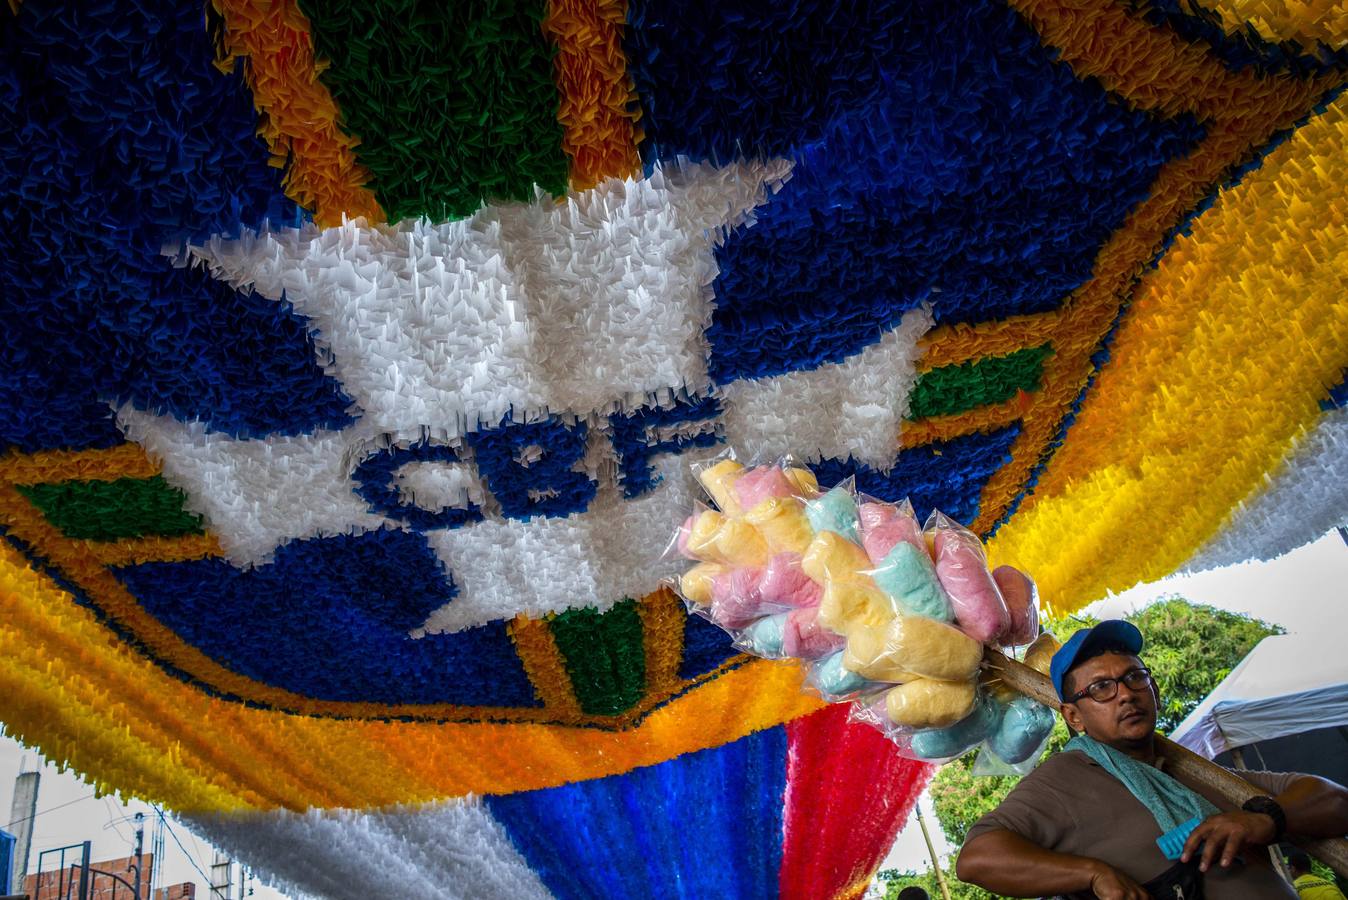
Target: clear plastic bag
{"type": "Point", "coordinates": [784, 582]}
{"type": "Point", "coordinates": [1022, 602]}
{"type": "Point", "coordinates": [908, 578]}
{"type": "Point", "coordinates": [885, 525]}
{"type": "Point", "coordinates": [1039, 655]}
{"type": "Point", "coordinates": [765, 637]}
{"type": "Point", "coordinates": [1022, 728]}
{"type": "Point", "coordinates": [962, 568]}
{"type": "Point", "coordinates": [882, 612]}
{"type": "Point", "coordinates": [717, 477]}
{"type": "Point", "coordinates": [943, 744]}
{"type": "Point", "coordinates": [835, 511]}
{"type": "Point", "coordinates": [712, 536]}
{"type": "Point", "coordinates": [733, 597]}
{"type": "Point", "coordinates": [925, 703]}
{"type": "Point", "coordinates": [806, 638]}
{"type": "Point", "coordinates": [833, 681]}
{"type": "Point", "coordinates": [988, 764]}
{"type": "Point", "coordinates": [907, 646]}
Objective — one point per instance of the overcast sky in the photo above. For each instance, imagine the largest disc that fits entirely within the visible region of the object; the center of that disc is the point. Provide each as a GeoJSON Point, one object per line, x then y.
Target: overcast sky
{"type": "Point", "coordinates": [1303, 591]}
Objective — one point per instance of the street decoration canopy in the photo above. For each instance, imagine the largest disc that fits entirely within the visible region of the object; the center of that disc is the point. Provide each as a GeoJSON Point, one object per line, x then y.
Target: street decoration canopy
{"type": "Point", "coordinates": [356, 355]}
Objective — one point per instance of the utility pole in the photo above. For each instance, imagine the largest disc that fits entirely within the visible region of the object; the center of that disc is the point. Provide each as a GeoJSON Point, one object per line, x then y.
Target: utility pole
{"type": "Point", "coordinates": [220, 877]}
{"type": "Point", "coordinates": [157, 855]}
{"type": "Point", "coordinates": [21, 813]}
{"type": "Point", "coordinates": [935, 863]}
{"type": "Point", "coordinates": [140, 850]}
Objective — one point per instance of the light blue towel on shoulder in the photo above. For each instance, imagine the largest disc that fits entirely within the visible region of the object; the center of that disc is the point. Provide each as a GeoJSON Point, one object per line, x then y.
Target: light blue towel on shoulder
{"type": "Point", "coordinates": [1170, 803]}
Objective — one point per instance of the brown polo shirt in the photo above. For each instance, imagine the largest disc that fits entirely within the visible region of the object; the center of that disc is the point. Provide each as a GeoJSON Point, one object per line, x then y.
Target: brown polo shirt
{"type": "Point", "coordinates": [1072, 805]}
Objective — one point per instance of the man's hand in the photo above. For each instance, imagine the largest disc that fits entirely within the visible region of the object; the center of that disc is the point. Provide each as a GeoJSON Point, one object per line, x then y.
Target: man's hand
{"type": "Point", "coordinates": [1110, 884]}
{"type": "Point", "coordinates": [1226, 834]}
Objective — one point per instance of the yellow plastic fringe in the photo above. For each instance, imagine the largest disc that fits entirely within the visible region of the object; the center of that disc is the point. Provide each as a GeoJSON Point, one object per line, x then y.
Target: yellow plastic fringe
{"type": "Point", "coordinates": [88, 700]}
{"type": "Point", "coordinates": [1151, 68]}
{"type": "Point", "coordinates": [1214, 374]}
{"type": "Point", "coordinates": [597, 99]}
{"type": "Point", "coordinates": [1303, 21]}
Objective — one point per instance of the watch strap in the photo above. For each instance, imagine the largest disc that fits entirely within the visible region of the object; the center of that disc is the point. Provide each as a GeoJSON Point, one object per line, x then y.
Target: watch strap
{"type": "Point", "coordinates": [1271, 808]}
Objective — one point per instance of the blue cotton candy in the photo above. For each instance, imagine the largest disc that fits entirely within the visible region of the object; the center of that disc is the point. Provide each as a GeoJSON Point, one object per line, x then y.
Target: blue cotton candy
{"type": "Point", "coordinates": [906, 574]}
{"type": "Point", "coordinates": [1023, 728]}
{"type": "Point", "coordinates": [832, 679]}
{"type": "Point", "coordinates": [836, 511]}
{"type": "Point", "coordinates": [766, 636]}
{"type": "Point", "coordinates": [947, 743]}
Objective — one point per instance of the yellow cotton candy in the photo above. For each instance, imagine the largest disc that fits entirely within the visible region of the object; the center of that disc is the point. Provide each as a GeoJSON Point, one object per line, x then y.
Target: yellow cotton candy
{"type": "Point", "coordinates": [695, 584]}
{"type": "Point", "coordinates": [927, 703]}
{"type": "Point", "coordinates": [719, 480]}
{"type": "Point", "coordinates": [739, 544]}
{"type": "Point", "coordinates": [702, 536]}
{"type": "Point", "coordinates": [782, 523]}
{"type": "Point", "coordinates": [868, 655]}
{"type": "Point", "coordinates": [1039, 654]}
{"type": "Point", "coordinates": [850, 603]}
{"type": "Point", "coordinates": [830, 555]}
{"type": "Point", "coordinates": [916, 644]}
{"type": "Point", "coordinates": [802, 480]}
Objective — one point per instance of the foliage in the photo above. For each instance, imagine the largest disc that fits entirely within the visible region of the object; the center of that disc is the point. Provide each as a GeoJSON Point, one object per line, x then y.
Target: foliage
{"type": "Point", "coordinates": [1189, 649]}
{"type": "Point", "coordinates": [894, 881]}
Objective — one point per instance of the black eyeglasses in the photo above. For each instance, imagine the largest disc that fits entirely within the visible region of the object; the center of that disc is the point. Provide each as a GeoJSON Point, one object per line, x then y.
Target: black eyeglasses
{"type": "Point", "coordinates": [1107, 689]}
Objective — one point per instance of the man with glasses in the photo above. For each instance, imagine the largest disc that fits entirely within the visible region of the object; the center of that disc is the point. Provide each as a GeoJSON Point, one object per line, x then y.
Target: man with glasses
{"type": "Point", "coordinates": [1102, 819]}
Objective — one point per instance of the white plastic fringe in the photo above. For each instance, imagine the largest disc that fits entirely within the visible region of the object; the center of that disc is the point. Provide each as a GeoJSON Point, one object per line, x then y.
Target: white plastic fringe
{"type": "Point", "coordinates": [598, 303]}
{"type": "Point", "coordinates": [853, 408]}
{"type": "Point", "coordinates": [255, 495]}
{"type": "Point", "coordinates": [453, 850]}
{"type": "Point", "coordinates": [1306, 497]}
{"type": "Point", "coordinates": [595, 558]}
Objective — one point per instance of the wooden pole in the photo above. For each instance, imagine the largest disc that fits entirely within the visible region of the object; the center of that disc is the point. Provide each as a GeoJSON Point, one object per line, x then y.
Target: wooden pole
{"type": "Point", "coordinates": [931, 851]}
{"type": "Point", "coordinates": [1180, 761]}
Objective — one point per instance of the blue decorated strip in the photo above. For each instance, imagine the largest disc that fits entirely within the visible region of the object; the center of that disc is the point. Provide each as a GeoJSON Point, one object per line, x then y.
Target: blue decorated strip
{"type": "Point", "coordinates": [707, 824]}
{"type": "Point", "coordinates": [330, 619]}
{"type": "Point", "coordinates": [106, 159]}
{"type": "Point", "coordinates": [945, 475]}
{"type": "Point", "coordinates": [986, 188]}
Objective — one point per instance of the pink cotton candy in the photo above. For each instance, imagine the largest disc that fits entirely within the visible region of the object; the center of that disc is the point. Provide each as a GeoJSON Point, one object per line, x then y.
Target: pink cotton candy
{"type": "Point", "coordinates": [806, 638]}
{"type": "Point", "coordinates": [736, 599]}
{"type": "Point", "coordinates": [962, 570]}
{"type": "Point", "coordinates": [886, 535]}
{"type": "Point", "coordinates": [1020, 595]}
{"type": "Point", "coordinates": [759, 484]}
{"type": "Point", "coordinates": [785, 584]}
{"type": "Point", "coordinates": [873, 515]}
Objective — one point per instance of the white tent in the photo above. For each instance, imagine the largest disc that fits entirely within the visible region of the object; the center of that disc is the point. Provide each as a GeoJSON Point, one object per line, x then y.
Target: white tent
{"type": "Point", "coordinates": [1289, 684]}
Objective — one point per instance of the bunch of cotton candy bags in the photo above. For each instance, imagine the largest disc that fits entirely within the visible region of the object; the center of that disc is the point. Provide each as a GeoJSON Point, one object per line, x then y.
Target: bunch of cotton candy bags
{"type": "Point", "coordinates": [884, 612]}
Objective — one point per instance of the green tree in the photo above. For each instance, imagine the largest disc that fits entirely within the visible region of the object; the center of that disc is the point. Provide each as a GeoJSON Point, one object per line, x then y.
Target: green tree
{"type": "Point", "coordinates": [895, 881]}
{"type": "Point", "coordinates": [1189, 648]}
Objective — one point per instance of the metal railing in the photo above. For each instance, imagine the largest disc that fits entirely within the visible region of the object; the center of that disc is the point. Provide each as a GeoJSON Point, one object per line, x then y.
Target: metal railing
{"type": "Point", "coordinates": [77, 880]}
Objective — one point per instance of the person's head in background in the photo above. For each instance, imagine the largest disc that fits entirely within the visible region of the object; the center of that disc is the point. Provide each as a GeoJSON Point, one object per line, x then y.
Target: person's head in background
{"type": "Point", "coordinates": [914, 893]}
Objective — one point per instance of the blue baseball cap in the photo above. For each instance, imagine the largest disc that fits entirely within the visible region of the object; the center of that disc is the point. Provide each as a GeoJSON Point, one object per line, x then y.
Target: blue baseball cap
{"type": "Point", "coordinates": [1114, 632]}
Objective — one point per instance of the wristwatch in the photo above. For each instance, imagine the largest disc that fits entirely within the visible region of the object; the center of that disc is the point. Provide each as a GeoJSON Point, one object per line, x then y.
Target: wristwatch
{"type": "Point", "coordinates": [1268, 807]}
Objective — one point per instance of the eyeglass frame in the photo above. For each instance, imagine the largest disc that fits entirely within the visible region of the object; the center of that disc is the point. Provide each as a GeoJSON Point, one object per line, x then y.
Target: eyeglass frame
{"type": "Point", "coordinates": [1122, 679]}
